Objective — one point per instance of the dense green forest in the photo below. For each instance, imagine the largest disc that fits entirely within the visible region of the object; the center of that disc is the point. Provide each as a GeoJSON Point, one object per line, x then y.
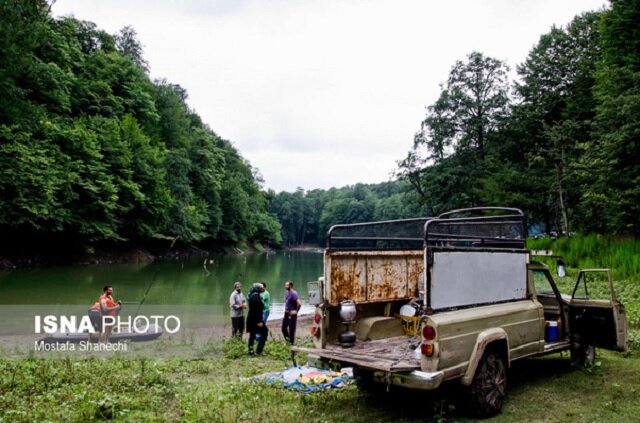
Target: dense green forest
{"type": "Point", "coordinates": [91, 149]}
{"type": "Point", "coordinates": [562, 142]}
{"type": "Point", "coordinates": [306, 216]}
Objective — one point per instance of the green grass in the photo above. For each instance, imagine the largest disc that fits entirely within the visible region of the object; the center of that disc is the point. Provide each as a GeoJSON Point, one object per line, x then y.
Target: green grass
{"type": "Point", "coordinates": [595, 251]}
{"type": "Point", "coordinates": [217, 390]}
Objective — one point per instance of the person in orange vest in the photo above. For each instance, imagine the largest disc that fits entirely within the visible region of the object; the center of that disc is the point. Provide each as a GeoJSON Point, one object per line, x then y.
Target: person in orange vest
{"type": "Point", "coordinates": [105, 306]}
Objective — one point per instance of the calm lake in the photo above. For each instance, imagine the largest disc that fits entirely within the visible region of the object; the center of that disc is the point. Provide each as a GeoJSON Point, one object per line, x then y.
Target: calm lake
{"type": "Point", "coordinates": [172, 282]}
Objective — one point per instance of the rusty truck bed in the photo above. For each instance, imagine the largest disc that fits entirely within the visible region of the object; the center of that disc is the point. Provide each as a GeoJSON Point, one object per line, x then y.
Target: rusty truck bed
{"type": "Point", "coordinates": [389, 355]}
{"type": "Point", "coordinates": [372, 276]}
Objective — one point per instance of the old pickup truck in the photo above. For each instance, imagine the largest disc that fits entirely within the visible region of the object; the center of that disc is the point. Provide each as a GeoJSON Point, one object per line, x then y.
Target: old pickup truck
{"type": "Point", "coordinates": [418, 302]}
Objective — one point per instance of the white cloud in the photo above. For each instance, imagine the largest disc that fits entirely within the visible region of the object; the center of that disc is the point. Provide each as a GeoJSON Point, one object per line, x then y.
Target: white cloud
{"type": "Point", "coordinates": [321, 93]}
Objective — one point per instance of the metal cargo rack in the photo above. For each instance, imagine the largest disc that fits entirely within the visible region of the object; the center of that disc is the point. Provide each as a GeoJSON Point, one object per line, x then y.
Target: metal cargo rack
{"type": "Point", "coordinates": [472, 228]}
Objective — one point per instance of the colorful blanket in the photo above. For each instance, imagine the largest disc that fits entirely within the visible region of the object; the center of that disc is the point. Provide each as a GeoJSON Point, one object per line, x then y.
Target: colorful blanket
{"type": "Point", "coordinates": [309, 379]}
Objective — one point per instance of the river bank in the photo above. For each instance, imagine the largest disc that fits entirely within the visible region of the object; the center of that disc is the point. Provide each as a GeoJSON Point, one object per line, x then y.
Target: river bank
{"type": "Point", "coordinates": [32, 255]}
{"type": "Point", "coordinates": [30, 252]}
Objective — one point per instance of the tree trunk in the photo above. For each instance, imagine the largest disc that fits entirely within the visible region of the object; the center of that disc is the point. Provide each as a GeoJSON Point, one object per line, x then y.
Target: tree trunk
{"type": "Point", "coordinates": [563, 208]}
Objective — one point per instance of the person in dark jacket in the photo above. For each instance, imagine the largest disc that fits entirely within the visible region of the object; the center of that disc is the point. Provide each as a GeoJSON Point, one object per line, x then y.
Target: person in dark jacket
{"type": "Point", "coordinates": [255, 321]}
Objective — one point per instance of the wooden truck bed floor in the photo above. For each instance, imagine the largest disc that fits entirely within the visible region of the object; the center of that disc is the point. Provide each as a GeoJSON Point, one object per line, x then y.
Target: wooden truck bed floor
{"type": "Point", "coordinates": [389, 355]}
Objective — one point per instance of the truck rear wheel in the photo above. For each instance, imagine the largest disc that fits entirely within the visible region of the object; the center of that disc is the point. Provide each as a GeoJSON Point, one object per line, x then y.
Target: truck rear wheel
{"type": "Point", "coordinates": [489, 385]}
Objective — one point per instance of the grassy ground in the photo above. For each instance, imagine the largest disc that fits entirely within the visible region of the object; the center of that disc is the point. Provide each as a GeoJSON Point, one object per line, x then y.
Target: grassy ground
{"type": "Point", "coordinates": [215, 390]}
{"type": "Point", "coordinates": [621, 255]}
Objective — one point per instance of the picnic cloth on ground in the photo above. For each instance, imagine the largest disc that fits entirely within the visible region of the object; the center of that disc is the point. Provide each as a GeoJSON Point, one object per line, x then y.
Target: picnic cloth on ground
{"type": "Point", "coordinates": [309, 379]}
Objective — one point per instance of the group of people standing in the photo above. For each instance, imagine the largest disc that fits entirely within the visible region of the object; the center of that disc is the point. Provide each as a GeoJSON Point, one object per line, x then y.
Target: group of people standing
{"type": "Point", "coordinates": [258, 303]}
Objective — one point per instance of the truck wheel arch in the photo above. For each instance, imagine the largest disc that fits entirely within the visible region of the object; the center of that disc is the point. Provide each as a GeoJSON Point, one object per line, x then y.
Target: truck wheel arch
{"type": "Point", "coordinates": [494, 338]}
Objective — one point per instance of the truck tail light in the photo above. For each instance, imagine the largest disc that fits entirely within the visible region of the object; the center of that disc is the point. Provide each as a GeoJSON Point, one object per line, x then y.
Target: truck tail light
{"type": "Point", "coordinates": [427, 349]}
{"type": "Point", "coordinates": [315, 328]}
{"type": "Point", "coordinates": [429, 333]}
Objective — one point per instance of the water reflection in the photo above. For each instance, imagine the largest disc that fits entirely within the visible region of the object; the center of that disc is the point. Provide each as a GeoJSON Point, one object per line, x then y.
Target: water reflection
{"type": "Point", "coordinates": [175, 282]}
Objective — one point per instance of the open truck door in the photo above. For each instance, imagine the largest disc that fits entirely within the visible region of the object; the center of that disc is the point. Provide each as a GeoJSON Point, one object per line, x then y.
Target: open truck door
{"type": "Point", "coordinates": [596, 322]}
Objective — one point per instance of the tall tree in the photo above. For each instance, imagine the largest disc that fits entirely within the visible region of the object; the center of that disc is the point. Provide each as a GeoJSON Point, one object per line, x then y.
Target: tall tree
{"type": "Point", "coordinates": [128, 44]}
{"type": "Point", "coordinates": [611, 168]}
{"type": "Point", "coordinates": [556, 98]}
{"type": "Point", "coordinates": [149, 215]}
{"type": "Point", "coordinates": [476, 99]}
{"type": "Point", "coordinates": [453, 136]}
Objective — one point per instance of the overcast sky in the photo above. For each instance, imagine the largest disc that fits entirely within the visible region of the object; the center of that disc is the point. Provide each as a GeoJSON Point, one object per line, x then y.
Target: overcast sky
{"type": "Point", "coordinates": [321, 93]}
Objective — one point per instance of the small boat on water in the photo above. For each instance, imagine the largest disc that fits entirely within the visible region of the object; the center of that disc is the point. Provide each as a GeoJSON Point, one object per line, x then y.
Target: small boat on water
{"type": "Point", "coordinates": [126, 334]}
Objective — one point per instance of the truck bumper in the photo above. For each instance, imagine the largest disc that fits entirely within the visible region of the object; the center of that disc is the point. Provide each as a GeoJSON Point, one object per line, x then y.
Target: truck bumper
{"type": "Point", "coordinates": [416, 379]}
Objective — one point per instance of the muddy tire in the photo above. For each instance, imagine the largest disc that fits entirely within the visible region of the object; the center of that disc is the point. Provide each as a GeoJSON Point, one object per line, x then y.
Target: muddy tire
{"type": "Point", "coordinates": [366, 384]}
{"type": "Point", "coordinates": [489, 386]}
{"type": "Point", "coordinates": [583, 356]}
